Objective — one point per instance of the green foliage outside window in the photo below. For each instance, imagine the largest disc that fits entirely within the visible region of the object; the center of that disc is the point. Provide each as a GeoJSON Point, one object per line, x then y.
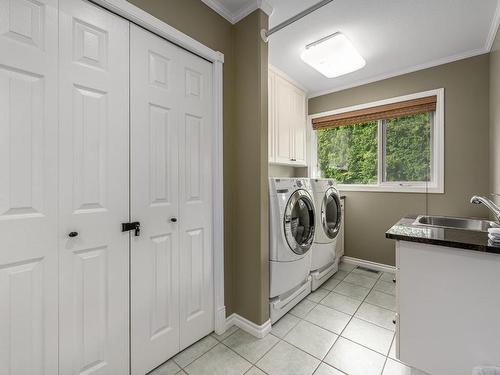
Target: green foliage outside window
{"type": "Point", "coordinates": [349, 154]}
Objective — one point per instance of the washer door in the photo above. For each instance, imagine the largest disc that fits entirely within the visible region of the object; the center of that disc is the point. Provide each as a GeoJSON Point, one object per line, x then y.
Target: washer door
{"type": "Point", "coordinates": [299, 222]}
{"type": "Point", "coordinates": [331, 213]}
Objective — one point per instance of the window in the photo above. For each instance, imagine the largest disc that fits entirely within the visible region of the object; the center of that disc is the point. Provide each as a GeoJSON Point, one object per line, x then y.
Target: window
{"type": "Point", "coordinates": [392, 145]}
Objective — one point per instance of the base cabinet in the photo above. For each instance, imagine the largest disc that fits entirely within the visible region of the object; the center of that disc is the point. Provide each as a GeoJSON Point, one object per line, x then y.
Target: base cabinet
{"type": "Point", "coordinates": [448, 308]}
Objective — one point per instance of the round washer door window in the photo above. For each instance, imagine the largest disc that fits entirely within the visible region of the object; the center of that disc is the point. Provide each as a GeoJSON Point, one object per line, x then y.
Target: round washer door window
{"type": "Point", "coordinates": [331, 213]}
{"type": "Point", "coordinates": [299, 222]}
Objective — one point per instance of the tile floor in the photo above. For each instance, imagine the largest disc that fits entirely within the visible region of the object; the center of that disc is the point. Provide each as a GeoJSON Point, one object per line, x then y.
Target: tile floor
{"type": "Point", "coordinates": [345, 327]}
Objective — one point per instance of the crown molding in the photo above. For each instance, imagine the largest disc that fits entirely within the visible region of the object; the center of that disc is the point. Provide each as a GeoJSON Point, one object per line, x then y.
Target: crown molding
{"type": "Point", "coordinates": [493, 28]}
{"type": "Point", "coordinates": [399, 72]}
{"type": "Point", "coordinates": [234, 17]}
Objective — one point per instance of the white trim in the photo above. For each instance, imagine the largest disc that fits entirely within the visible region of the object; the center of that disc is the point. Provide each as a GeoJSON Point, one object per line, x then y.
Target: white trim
{"type": "Point", "coordinates": [493, 28]}
{"type": "Point", "coordinates": [286, 77]}
{"type": "Point", "coordinates": [437, 152]}
{"type": "Point", "coordinates": [242, 12]}
{"type": "Point", "coordinates": [246, 325]}
{"type": "Point", "coordinates": [368, 264]}
{"type": "Point", "coordinates": [399, 72]}
{"type": "Point", "coordinates": [149, 22]}
{"type": "Point", "coordinates": [160, 28]}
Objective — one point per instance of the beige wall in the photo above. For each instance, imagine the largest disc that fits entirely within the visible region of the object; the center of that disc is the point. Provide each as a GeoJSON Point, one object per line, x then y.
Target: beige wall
{"type": "Point", "coordinates": [286, 171]}
{"type": "Point", "coordinates": [466, 84]}
{"type": "Point", "coordinates": [245, 145]}
{"type": "Point", "coordinates": [495, 118]}
{"type": "Point", "coordinates": [250, 219]}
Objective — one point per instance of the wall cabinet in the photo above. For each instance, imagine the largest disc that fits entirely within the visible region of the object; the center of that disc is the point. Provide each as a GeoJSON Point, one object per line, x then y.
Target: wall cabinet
{"type": "Point", "coordinates": [287, 121]}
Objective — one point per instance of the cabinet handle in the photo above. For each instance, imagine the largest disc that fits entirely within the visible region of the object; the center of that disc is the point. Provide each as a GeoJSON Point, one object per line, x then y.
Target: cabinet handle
{"type": "Point", "coordinates": [173, 220]}
{"type": "Point", "coordinates": [73, 234]}
{"type": "Point", "coordinates": [292, 159]}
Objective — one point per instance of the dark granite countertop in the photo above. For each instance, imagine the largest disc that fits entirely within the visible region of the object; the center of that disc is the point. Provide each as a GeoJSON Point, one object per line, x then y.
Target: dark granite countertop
{"type": "Point", "coordinates": [404, 230]}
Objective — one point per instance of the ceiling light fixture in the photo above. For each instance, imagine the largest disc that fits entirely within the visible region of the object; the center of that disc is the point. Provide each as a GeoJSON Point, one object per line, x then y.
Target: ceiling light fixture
{"type": "Point", "coordinates": [333, 56]}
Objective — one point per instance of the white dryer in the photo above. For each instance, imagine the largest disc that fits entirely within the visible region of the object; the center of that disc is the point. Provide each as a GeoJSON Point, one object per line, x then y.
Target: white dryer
{"type": "Point", "coordinates": [329, 219]}
{"type": "Point", "coordinates": [292, 225]}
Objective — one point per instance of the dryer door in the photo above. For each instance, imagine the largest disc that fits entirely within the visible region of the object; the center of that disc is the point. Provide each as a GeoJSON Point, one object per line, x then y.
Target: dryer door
{"type": "Point", "coordinates": [331, 213]}
{"type": "Point", "coordinates": [299, 222]}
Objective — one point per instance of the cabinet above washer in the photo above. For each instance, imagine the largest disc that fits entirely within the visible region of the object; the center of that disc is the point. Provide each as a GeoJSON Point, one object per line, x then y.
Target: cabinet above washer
{"type": "Point", "coordinates": [287, 121]}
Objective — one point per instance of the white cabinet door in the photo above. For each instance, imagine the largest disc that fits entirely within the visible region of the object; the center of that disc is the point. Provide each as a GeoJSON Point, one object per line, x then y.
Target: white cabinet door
{"type": "Point", "coordinates": [28, 187]}
{"type": "Point", "coordinates": [171, 138]}
{"type": "Point", "coordinates": [299, 126]}
{"type": "Point", "coordinates": [272, 116]}
{"type": "Point", "coordinates": [196, 129]}
{"type": "Point", "coordinates": [155, 118]}
{"type": "Point", "coordinates": [284, 126]}
{"type": "Point", "coordinates": [94, 190]}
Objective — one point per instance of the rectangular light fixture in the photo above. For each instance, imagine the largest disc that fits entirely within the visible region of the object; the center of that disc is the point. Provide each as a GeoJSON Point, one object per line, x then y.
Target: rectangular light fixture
{"type": "Point", "coordinates": [333, 56]}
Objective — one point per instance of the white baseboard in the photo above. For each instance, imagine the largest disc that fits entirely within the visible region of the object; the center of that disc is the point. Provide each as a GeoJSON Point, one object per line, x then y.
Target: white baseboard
{"type": "Point", "coordinates": [368, 264]}
{"type": "Point", "coordinates": [246, 325]}
{"type": "Point", "coordinates": [220, 320]}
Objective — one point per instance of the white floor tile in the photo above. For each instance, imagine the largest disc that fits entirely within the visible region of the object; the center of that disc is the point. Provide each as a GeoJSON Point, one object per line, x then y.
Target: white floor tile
{"type": "Point", "coordinates": [285, 359]}
{"type": "Point", "coordinates": [318, 295]}
{"type": "Point", "coordinates": [255, 371]}
{"type": "Point", "coordinates": [195, 351]}
{"type": "Point", "coordinates": [347, 267]}
{"type": "Point", "coordinates": [340, 275]}
{"type": "Point", "coordinates": [311, 339]}
{"type": "Point", "coordinates": [396, 368]}
{"type": "Point", "coordinates": [325, 369]}
{"type": "Point", "coordinates": [168, 368]}
{"type": "Point", "coordinates": [375, 274]}
{"type": "Point", "coordinates": [226, 334]}
{"type": "Point", "coordinates": [221, 361]}
{"type": "Point", "coordinates": [369, 335]}
{"type": "Point", "coordinates": [376, 315]}
{"type": "Point", "coordinates": [341, 303]}
{"type": "Point", "coordinates": [386, 286]}
{"type": "Point", "coordinates": [361, 280]}
{"type": "Point", "coordinates": [351, 290]}
{"type": "Point", "coordinates": [284, 325]}
{"type": "Point", "coordinates": [381, 299]}
{"type": "Point", "coordinates": [354, 359]}
{"type": "Point", "coordinates": [331, 283]}
{"type": "Point", "coordinates": [392, 351]}
{"type": "Point", "coordinates": [303, 308]}
{"type": "Point", "coordinates": [250, 347]}
{"type": "Point", "coordinates": [330, 319]}
{"type": "Point", "coordinates": [388, 276]}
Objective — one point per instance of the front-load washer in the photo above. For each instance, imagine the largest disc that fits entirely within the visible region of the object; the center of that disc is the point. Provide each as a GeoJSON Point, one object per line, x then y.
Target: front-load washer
{"type": "Point", "coordinates": [329, 219]}
{"type": "Point", "coordinates": [292, 227]}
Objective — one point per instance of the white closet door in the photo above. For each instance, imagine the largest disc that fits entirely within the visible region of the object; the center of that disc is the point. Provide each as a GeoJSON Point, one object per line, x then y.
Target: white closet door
{"type": "Point", "coordinates": [94, 190]}
{"type": "Point", "coordinates": [28, 187]}
{"type": "Point", "coordinates": [196, 129]}
{"type": "Point", "coordinates": [155, 118]}
{"type": "Point", "coordinates": [171, 262]}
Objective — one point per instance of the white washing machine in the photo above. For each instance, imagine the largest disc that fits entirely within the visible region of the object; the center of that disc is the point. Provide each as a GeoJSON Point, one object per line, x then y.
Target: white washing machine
{"type": "Point", "coordinates": [329, 219]}
{"type": "Point", "coordinates": [292, 225]}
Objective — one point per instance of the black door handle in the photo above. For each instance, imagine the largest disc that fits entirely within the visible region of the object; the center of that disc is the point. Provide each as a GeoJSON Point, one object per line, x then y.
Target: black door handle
{"type": "Point", "coordinates": [73, 234]}
{"type": "Point", "coordinates": [173, 220]}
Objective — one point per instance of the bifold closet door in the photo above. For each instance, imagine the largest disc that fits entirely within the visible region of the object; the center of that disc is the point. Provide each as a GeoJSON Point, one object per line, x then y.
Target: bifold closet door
{"type": "Point", "coordinates": [28, 187]}
{"type": "Point", "coordinates": [94, 190]}
{"type": "Point", "coordinates": [171, 195]}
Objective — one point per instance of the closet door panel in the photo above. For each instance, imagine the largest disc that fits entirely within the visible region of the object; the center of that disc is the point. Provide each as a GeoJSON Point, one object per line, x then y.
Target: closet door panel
{"type": "Point", "coordinates": [195, 199]}
{"type": "Point", "coordinates": [155, 119]}
{"type": "Point", "coordinates": [28, 187]}
{"type": "Point", "coordinates": [94, 190]}
{"type": "Point", "coordinates": [284, 118]}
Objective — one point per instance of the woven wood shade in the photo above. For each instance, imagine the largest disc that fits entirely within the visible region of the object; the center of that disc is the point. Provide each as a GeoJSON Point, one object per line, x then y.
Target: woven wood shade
{"type": "Point", "coordinates": [382, 112]}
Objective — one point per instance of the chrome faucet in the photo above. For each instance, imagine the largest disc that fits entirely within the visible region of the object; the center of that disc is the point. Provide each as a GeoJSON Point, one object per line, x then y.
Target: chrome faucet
{"type": "Point", "coordinates": [489, 204]}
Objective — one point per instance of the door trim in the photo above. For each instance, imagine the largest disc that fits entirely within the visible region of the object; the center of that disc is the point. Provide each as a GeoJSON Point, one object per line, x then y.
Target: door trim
{"type": "Point", "coordinates": [136, 15]}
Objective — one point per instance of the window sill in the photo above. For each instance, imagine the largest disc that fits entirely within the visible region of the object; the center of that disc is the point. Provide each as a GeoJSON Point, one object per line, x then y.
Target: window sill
{"type": "Point", "coordinates": [431, 189]}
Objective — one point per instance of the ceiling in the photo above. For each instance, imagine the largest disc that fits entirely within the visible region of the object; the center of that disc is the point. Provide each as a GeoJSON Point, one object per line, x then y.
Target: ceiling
{"type": "Point", "coordinates": [394, 36]}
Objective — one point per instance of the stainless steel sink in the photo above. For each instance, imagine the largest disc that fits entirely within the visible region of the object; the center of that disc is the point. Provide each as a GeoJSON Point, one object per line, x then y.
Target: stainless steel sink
{"type": "Point", "coordinates": [477, 225]}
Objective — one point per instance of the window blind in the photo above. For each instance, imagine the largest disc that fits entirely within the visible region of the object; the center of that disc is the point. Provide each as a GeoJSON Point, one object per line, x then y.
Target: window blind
{"type": "Point", "coordinates": [382, 112]}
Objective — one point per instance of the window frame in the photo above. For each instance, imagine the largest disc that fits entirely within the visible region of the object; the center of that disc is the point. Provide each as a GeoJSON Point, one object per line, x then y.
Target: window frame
{"type": "Point", "coordinates": [436, 184]}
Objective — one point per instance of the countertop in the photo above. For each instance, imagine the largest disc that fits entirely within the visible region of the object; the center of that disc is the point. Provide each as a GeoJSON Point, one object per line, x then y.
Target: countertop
{"type": "Point", "coordinates": [404, 230]}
